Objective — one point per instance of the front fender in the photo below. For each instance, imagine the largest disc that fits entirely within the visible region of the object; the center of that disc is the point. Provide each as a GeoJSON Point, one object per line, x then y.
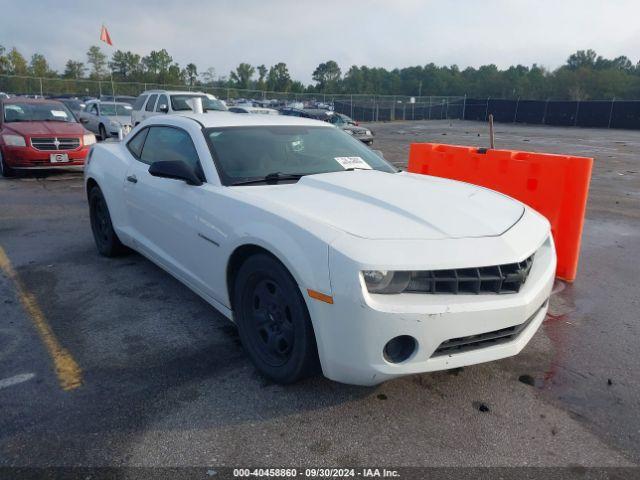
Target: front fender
{"type": "Point", "coordinates": [304, 255]}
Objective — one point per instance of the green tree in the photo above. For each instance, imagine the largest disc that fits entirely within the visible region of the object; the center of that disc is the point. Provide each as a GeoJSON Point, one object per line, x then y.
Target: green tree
{"type": "Point", "coordinates": [278, 78]}
{"type": "Point", "coordinates": [74, 69]}
{"type": "Point", "coordinates": [297, 87]}
{"type": "Point", "coordinates": [97, 61]}
{"type": "Point", "coordinates": [241, 76]}
{"type": "Point", "coordinates": [157, 65]}
{"type": "Point", "coordinates": [17, 63]}
{"type": "Point", "coordinates": [191, 72]}
{"type": "Point", "coordinates": [4, 61]}
{"type": "Point", "coordinates": [262, 74]}
{"type": "Point", "coordinates": [582, 58]}
{"type": "Point", "coordinates": [39, 67]}
{"type": "Point", "coordinates": [209, 76]}
{"type": "Point", "coordinates": [327, 75]}
{"type": "Point", "coordinates": [125, 65]}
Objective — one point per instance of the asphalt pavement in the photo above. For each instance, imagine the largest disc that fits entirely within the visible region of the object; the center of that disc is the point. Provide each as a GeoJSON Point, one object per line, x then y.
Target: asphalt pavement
{"type": "Point", "coordinates": [162, 379]}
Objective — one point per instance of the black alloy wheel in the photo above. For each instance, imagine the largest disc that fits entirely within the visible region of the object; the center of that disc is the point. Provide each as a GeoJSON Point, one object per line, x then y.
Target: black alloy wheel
{"type": "Point", "coordinates": [107, 241]}
{"type": "Point", "coordinates": [273, 320]}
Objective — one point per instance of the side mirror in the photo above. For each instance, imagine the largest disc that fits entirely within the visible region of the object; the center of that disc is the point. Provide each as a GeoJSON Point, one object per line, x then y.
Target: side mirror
{"type": "Point", "coordinates": [164, 108]}
{"type": "Point", "coordinates": [175, 169]}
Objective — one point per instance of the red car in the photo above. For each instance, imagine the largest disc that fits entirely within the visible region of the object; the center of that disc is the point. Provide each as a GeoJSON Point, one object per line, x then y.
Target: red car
{"type": "Point", "coordinates": [36, 134]}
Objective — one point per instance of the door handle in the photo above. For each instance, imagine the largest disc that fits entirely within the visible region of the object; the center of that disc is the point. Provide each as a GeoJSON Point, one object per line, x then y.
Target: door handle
{"type": "Point", "coordinates": [132, 179]}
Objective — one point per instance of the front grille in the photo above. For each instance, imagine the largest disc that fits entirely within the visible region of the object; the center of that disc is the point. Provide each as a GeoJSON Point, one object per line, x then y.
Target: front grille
{"type": "Point", "coordinates": [55, 143]}
{"type": "Point", "coordinates": [507, 278]}
{"type": "Point", "coordinates": [482, 340]}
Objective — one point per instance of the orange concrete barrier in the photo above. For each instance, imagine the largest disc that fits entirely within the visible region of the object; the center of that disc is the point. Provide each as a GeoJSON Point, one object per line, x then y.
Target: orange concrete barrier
{"type": "Point", "coordinates": [555, 185]}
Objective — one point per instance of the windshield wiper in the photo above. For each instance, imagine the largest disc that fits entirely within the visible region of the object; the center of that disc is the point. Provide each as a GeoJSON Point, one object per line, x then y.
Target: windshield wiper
{"type": "Point", "coordinates": [274, 177]}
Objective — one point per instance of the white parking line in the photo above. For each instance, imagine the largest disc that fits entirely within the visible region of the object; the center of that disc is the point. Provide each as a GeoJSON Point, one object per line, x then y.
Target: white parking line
{"type": "Point", "coordinates": [23, 377]}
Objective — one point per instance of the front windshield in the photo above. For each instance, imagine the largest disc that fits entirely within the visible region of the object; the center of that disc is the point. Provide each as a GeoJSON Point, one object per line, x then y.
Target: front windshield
{"type": "Point", "coordinates": [115, 110]}
{"type": "Point", "coordinates": [340, 119]}
{"type": "Point", "coordinates": [179, 103]}
{"type": "Point", "coordinates": [73, 105]}
{"type": "Point", "coordinates": [37, 112]}
{"type": "Point", "coordinates": [245, 153]}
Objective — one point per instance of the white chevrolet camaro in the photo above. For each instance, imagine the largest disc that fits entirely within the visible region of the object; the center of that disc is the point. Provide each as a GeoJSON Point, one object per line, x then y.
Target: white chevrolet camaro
{"type": "Point", "coordinates": [323, 254]}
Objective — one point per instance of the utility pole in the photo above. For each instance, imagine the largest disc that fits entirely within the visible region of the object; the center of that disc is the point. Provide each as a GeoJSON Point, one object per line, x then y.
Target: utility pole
{"type": "Point", "coordinates": [613, 101]}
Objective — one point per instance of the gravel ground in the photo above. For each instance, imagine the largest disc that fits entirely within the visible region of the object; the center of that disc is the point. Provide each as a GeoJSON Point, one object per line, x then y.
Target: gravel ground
{"type": "Point", "coordinates": [166, 383]}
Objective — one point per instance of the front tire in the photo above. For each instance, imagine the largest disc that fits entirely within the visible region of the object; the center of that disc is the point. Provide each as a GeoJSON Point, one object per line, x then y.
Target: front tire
{"type": "Point", "coordinates": [102, 132]}
{"type": "Point", "coordinates": [273, 321]}
{"type": "Point", "coordinates": [107, 241]}
{"type": "Point", "coordinates": [5, 170]}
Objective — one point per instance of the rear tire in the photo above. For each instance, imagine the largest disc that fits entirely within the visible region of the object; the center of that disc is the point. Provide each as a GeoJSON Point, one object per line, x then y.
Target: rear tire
{"type": "Point", "coordinates": [102, 132]}
{"type": "Point", "coordinates": [273, 321]}
{"type": "Point", "coordinates": [5, 170]}
{"type": "Point", "coordinates": [107, 241]}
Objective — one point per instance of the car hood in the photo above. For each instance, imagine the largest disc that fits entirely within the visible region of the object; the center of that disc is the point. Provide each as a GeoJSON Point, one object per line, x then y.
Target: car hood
{"type": "Point", "coordinates": [121, 119]}
{"type": "Point", "coordinates": [354, 128]}
{"type": "Point", "coordinates": [46, 128]}
{"type": "Point", "coordinates": [377, 205]}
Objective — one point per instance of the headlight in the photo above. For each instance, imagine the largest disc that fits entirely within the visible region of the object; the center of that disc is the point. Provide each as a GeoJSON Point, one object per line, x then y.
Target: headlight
{"type": "Point", "coordinates": [367, 132]}
{"type": "Point", "coordinates": [384, 281]}
{"type": "Point", "coordinates": [89, 139]}
{"type": "Point", "coordinates": [14, 140]}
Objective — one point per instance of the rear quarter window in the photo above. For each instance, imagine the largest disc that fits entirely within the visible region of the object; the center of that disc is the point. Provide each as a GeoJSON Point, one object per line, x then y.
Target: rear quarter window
{"type": "Point", "coordinates": [137, 105]}
{"type": "Point", "coordinates": [151, 103]}
{"type": "Point", "coordinates": [137, 142]}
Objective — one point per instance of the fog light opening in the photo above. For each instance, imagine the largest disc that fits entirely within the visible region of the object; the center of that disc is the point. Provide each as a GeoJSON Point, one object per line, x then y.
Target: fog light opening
{"type": "Point", "coordinates": [399, 349]}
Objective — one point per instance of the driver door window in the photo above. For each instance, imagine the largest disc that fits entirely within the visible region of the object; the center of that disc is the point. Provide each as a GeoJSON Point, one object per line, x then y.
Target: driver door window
{"type": "Point", "coordinates": [165, 144]}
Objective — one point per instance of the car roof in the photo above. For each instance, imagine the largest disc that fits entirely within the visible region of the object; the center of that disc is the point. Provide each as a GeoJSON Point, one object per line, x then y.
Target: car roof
{"type": "Point", "coordinates": [229, 119]}
{"type": "Point", "coordinates": [172, 92]}
{"type": "Point", "coordinates": [14, 100]}
{"type": "Point", "coordinates": [109, 102]}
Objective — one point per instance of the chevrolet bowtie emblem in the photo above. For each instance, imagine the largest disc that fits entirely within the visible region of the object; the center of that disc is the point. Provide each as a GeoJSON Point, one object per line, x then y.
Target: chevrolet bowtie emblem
{"type": "Point", "coordinates": [56, 142]}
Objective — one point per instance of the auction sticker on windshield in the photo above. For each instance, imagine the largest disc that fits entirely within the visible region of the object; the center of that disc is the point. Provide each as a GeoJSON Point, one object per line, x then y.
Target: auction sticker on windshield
{"type": "Point", "coordinates": [352, 162]}
{"type": "Point", "coordinates": [59, 113]}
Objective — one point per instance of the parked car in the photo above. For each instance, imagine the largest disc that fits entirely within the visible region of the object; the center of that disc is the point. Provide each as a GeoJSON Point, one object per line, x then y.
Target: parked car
{"type": "Point", "coordinates": [40, 134]}
{"type": "Point", "coordinates": [4, 95]}
{"type": "Point", "coordinates": [344, 122]}
{"type": "Point", "coordinates": [322, 253]}
{"type": "Point", "coordinates": [106, 118]}
{"type": "Point", "coordinates": [341, 121]}
{"type": "Point", "coordinates": [253, 110]}
{"type": "Point", "coordinates": [157, 102]}
{"type": "Point", "coordinates": [305, 113]}
{"type": "Point", "coordinates": [118, 98]}
{"type": "Point", "coordinates": [74, 104]}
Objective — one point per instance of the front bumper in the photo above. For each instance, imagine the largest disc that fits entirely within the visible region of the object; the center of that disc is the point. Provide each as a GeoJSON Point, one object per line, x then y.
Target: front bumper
{"type": "Point", "coordinates": [352, 333]}
{"type": "Point", "coordinates": [28, 157]}
{"type": "Point", "coordinates": [113, 131]}
{"type": "Point", "coordinates": [364, 138]}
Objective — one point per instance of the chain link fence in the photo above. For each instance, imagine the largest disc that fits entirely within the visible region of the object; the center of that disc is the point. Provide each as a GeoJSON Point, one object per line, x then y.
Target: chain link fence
{"type": "Point", "coordinates": [368, 108]}
{"type": "Point", "coordinates": [361, 107]}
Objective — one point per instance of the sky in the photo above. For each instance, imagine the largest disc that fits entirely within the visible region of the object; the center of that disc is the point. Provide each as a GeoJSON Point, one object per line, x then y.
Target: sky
{"type": "Point", "coordinates": [303, 33]}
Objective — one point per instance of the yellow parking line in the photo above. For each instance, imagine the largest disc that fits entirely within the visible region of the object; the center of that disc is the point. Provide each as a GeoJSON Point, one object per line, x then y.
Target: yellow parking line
{"type": "Point", "coordinates": [68, 372]}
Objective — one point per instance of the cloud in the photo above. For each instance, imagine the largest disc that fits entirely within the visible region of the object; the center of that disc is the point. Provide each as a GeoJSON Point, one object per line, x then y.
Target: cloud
{"type": "Point", "coordinates": [302, 33]}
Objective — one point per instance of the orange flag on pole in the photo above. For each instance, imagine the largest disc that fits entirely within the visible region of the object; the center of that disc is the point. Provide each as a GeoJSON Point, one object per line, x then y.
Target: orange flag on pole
{"type": "Point", "coordinates": [104, 35]}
